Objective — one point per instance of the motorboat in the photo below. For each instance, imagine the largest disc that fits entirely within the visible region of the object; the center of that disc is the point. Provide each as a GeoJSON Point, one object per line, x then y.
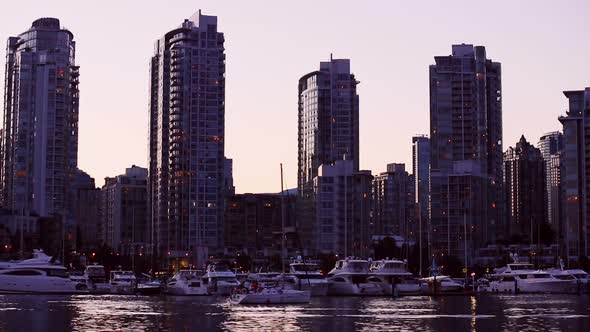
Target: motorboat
{"type": "Point", "coordinates": [38, 275]}
{"type": "Point", "coordinates": [440, 284]}
{"type": "Point", "coordinates": [220, 280]}
{"type": "Point", "coordinates": [349, 277]}
{"type": "Point", "coordinates": [146, 285]}
{"type": "Point", "coordinates": [186, 282]}
{"type": "Point", "coordinates": [96, 279]}
{"type": "Point", "coordinates": [306, 276]}
{"type": "Point", "coordinates": [580, 276]}
{"type": "Point", "coordinates": [390, 272]}
{"type": "Point", "coordinates": [122, 282]}
{"type": "Point", "coordinates": [271, 295]}
{"type": "Point", "coordinates": [523, 278]}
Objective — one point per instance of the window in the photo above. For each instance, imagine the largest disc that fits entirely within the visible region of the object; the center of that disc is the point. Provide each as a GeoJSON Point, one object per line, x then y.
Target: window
{"type": "Point", "coordinates": [23, 273]}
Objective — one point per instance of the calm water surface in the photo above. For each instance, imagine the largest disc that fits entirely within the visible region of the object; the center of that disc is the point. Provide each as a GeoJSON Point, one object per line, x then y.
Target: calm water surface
{"type": "Point", "coordinates": [139, 313]}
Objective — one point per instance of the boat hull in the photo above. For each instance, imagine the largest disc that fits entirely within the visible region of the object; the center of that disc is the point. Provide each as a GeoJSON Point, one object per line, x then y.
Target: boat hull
{"type": "Point", "coordinates": [278, 297]}
{"type": "Point", "coordinates": [350, 289]}
{"type": "Point", "coordinates": [527, 287]}
{"type": "Point", "coordinates": [40, 285]}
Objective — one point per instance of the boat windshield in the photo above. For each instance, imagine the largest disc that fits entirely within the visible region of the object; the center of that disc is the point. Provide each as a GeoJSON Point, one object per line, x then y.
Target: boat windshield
{"type": "Point", "coordinates": [580, 275]}
{"type": "Point", "coordinates": [220, 268]}
{"type": "Point", "coordinates": [358, 266]}
{"type": "Point", "coordinates": [305, 267]}
{"type": "Point", "coordinates": [565, 277]}
{"type": "Point", "coordinates": [392, 265]}
{"type": "Point", "coordinates": [516, 267]}
{"type": "Point", "coordinates": [57, 273]}
{"type": "Point", "coordinates": [538, 276]}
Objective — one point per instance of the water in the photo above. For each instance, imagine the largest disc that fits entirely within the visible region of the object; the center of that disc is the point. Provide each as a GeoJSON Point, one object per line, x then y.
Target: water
{"type": "Point", "coordinates": [452, 313]}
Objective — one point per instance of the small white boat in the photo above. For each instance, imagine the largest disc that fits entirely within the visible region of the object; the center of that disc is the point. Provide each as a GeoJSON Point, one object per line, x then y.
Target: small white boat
{"type": "Point", "coordinates": [306, 276]}
{"type": "Point", "coordinates": [220, 280]}
{"type": "Point", "coordinates": [440, 285]}
{"type": "Point", "coordinates": [350, 277]}
{"type": "Point", "coordinates": [122, 282]}
{"type": "Point", "coordinates": [38, 275]}
{"type": "Point", "coordinates": [186, 282]}
{"type": "Point", "coordinates": [394, 272]}
{"type": "Point", "coordinates": [146, 285]}
{"type": "Point", "coordinates": [274, 295]}
{"type": "Point", "coordinates": [96, 279]}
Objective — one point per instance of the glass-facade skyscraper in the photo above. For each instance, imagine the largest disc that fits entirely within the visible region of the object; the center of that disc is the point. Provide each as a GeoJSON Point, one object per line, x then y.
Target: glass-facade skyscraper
{"type": "Point", "coordinates": [40, 140]}
{"type": "Point", "coordinates": [466, 152]}
{"type": "Point", "coordinates": [186, 141]}
{"type": "Point", "coordinates": [328, 131]}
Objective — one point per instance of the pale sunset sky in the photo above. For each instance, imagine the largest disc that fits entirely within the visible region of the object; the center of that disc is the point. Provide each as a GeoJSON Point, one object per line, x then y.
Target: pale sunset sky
{"type": "Point", "coordinates": [542, 45]}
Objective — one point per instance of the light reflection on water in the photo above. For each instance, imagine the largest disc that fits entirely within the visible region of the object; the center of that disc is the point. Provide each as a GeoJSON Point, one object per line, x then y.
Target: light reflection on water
{"type": "Point", "coordinates": [137, 313]}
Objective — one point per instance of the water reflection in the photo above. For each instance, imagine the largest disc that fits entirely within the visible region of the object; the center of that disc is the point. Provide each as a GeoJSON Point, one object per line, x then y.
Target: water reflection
{"type": "Point", "coordinates": [137, 313]}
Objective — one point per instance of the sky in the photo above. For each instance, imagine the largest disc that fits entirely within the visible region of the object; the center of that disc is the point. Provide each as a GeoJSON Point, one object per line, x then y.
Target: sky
{"type": "Point", "coordinates": [542, 45]}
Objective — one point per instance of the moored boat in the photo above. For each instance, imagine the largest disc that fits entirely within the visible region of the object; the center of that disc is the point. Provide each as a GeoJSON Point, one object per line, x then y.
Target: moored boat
{"type": "Point", "coordinates": [271, 295]}
{"type": "Point", "coordinates": [186, 282]}
{"type": "Point", "coordinates": [349, 277]}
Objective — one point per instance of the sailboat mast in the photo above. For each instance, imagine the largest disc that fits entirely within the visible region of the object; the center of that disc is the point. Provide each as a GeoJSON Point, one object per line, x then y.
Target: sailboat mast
{"type": "Point", "coordinates": [283, 216]}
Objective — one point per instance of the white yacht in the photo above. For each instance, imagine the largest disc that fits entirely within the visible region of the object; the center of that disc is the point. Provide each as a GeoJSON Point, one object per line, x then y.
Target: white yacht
{"type": "Point", "coordinates": [122, 282]}
{"type": "Point", "coordinates": [220, 280]}
{"type": "Point", "coordinates": [523, 278]}
{"type": "Point", "coordinates": [580, 276]}
{"type": "Point", "coordinates": [272, 295]}
{"type": "Point", "coordinates": [186, 282]}
{"type": "Point", "coordinates": [38, 275]}
{"type": "Point", "coordinates": [306, 276]}
{"type": "Point", "coordinates": [389, 272]}
{"type": "Point", "coordinates": [349, 277]}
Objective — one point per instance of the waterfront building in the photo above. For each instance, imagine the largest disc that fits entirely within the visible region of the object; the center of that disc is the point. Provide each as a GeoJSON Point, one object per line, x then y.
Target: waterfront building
{"type": "Point", "coordinates": [40, 125]}
{"type": "Point", "coordinates": [342, 199]}
{"type": "Point", "coordinates": [466, 151]}
{"type": "Point", "coordinates": [186, 140]}
{"type": "Point", "coordinates": [551, 146]}
{"type": "Point", "coordinates": [86, 207]}
{"type": "Point", "coordinates": [328, 131]}
{"type": "Point", "coordinates": [124, 212]}
{"type": "Point", "coordinates": [421, 174]}
{"type": "Point", "coordinates": [575, 176]}
{"type": "Point", "coordinates": [394, 202]}
{"type": "Point", "coordinates": [253, 224]}
{"type": "Point", "coordinates": [525, 190]}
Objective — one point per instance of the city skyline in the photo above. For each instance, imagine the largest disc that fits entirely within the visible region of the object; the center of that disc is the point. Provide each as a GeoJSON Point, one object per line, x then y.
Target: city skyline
{"type": "Point", "coordinates": [391, 89]}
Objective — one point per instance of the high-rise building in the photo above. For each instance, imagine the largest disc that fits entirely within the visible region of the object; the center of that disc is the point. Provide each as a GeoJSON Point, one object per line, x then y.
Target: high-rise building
{"type": "Point", "coordinates": [124, 212]}
{"type": "Point", "coordinates": [328, 131]}
{"type": "Point", "coordinates": [253, 224]}
{"type": "Point", "coordinates": [40, 136]}
{"type": "Point", "coordinates": [394, 202]}
{"type": "Point", "coordinates": [86, 207]}
{"type": "Point", "coordinates": [421, 173]}
{"type": "Point", "coordinates": [551, 145]}
{"type": "Point", "coordinates": [343, 210]}
{"type": "Point", "coordinates": [575, 176]}
{"type": "Point", "coordinates": [466, 151]}
{"type": "Point", "coordinates": [524, 185]}
{"type": "Point", "coordinates": [186, 140]}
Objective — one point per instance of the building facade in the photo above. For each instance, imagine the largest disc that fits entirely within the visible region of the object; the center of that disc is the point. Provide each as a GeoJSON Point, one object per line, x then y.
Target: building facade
{"type": "Point", "coordinates": [551, 146]}
{"type": "Point", "coordinates": [186, 140]}
{"type": "Point", "coordinates": [466, 148]}
{"type": "Point", "coordinates": [343, 210]}
{"type": "Point", "coordinates": [328, 131]}
{"type": "Point", "coordinates": [87, 213]}
{"type": "Point", "coordinates": [394, 202]}
{"type": "Point", "coordinates": [124, 212]}
{"type": "Point", "coordinates": [421, 175]}
{"type": "Point", "coordinates": [40, 128]}
{"type": "Point", "coordinates": [575, 176]}
{"type": "Point", "coordinates": [525, 189]}
{"type": "Point", "coordinates": [253, 224]}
